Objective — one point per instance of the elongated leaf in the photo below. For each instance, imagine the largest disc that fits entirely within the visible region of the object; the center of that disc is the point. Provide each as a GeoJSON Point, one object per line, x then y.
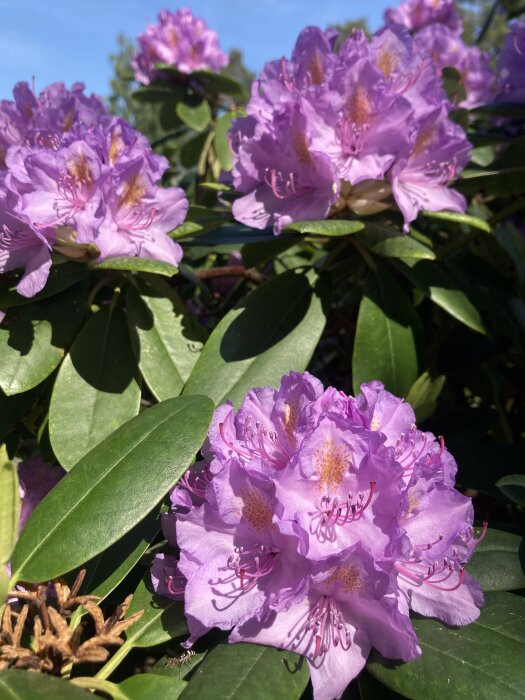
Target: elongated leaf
{"type": "Point", "coordinates": [112, 488]}
{"type": "Point", "coordinates": [326, 227]}
{"type": "Point", "coordinates": [33, 338]}
{"type": "Point", "coordinates": [483, 660]}
{"type": "Point", "coordinates": [152, 686]}
{"type": "Point", "coordinates": [163, 619]}
{"type": "Point", "coordinates": [274, 330]}
{"type": "Point", "coordinates": [248, 671]}
{"type": "Point", "coordinates": [390, 243]}
{"type": "Point", "coordinates": [159, 267]}
{"type": "Point", "coordinates": [9, 507]}
{"type": "Point", "coordinates": [423, 395]}
{"type": "Point", "coordinates": [221, 141]}
{"type": "Point", "coordinates": [217, 83]}
{"type": "Point", "coordinates": [436, 283]}
{"type": "Point", "coordinates": [166, 342]}
{"type": "Point", "coordinates": [457, 218]}
{"type": "Point", "coordinates": [24, 685]}
{"type": "Point", "coordinates": [385, 338]}
{"type": "Point", "coordinates": [197, 116]}
{"type": "Point", "coordinates": [97, 388]}
{"type": "Point", "coordinates": [61, 277]}
{"type": "Point", "coordinates": [513, 486]}
{"type": "Point", "coordinates": [499, 561]}
{"type": "Point", "coordinates": [106, 570]}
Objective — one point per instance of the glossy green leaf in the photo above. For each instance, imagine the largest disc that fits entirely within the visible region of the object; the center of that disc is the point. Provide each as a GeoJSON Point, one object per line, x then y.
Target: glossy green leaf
{"type": "Point", "coordinates": [499, 561]}
{"type": "Point", "coordinates": [457, 218]}
{"type": "Point", "coordinates": [423, 395]}
{"type": "Point", "coordinates": [153, 93]}
{"type": "Point", "coordinates": [390, 243]}
{"type": "Point", "coordinates": [501, 109]}
{"type": "Point", "coordinates": [112, 488]}
{"type": "Point", "coordinates": [196, 116]}
{"type": "Point", "coordinates": [107, 569]}
{"type": "Point", "coordinates": [385, 338]}
{"type": "Point", "coordinates": [166, 341]}
{"type": "Point", "coordinates": [152, 686]}
{"type": "Point", "coordinates": [61, 277]}
{"type": "Point", "coordinates": [97, 388]}
{"type": "Point", "coordinates": [25, 685]}
{"type": "Point", "coordinates": [483, 660]}
{"type": "Point", "coordinates": [503, 182]}
{"type": "Point", "coordinates": [243, 671]}
{"type": "Point", "coordinates": [163, 619]}
{"type": "Point", "coordinates": [513, 486]}
{"type": "Point", "coordinates": [33, 338]}
{"type": "Point", "coordinates": [217, 83]}
{"type": "Point", "coordinates": [436, 283]}
{"type": "Point", "coordinates": [159, 267]}
{"type": "Point", "coordinates": [326, 227]}
{"type": "Point", "coordinates": [275, 329]}
{"type": "Point", "coordinates": [9, 507]}
{"type": "Point", "coordinates": [221, 141]}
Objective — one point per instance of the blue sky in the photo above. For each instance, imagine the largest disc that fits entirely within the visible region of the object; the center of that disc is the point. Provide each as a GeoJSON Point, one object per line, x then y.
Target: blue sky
{"type": "Point", "coordinates": [71, 40]}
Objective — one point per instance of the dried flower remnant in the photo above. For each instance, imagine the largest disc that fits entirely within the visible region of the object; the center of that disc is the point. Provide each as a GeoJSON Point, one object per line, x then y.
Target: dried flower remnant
{"type": "Point", "coordinates": [315, 522]}
{"type": "Point", "coordinates": [44, 617]}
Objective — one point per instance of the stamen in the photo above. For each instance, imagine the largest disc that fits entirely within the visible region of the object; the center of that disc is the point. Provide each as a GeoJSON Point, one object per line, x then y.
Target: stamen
{"type": "Point", "coordinates": [331, 513]}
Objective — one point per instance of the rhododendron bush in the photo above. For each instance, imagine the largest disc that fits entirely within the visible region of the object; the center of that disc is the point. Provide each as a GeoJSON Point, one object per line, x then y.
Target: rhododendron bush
{"type": "Point", "coordinates": [262, 368]}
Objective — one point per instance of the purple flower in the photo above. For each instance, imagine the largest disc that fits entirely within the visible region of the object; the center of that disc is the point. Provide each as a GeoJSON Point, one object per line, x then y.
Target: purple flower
{"type": "Point", "coordinates": [284, 178]}
{"type": "Point", "coordinates": [511, 65]}
{"type": "Point", "coordinates": [36, 479]}
{"type": "Point", "coordinates": [314, 523]}
{"type": "Point", "coordinates": [180, 40]}
{"type": "Point", "coordinates": [326, 130]}
{"type": "Point", "coordinates": [437, 152]}
{"type": "Point", "coordinates": [415, 14]}
{"type": "Point", "coordinates": [447, 49]}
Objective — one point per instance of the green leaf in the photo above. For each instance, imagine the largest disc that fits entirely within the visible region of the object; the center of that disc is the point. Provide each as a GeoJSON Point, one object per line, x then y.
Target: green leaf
{"type": "Point", "coordinates": [217, 83]}
{"type": "Point", "coordinates": [221, 142]}
{"type": "Point", "coordinates": [61, 277]}
{"type": "Point", "coordinates": [457, 218]}
{"type": "Point", "coordinates": [114, 486]}
{"type": "Point", "coordinates": [108, 569]}
{"type": "Point", "coordinates": [196, 116]}
{"type": "Point", "coordinates": [385, 338]}
{"type": "Point", "coordinates": [326, 227]}
{"type": "Point", "coordinates": [513, 486]}
{"type": "Point", "coordinates": [163, 619]}
{"type": "Point", "coordinates": [153, 93]}
{"type": "Point", "coordinates": [24, 685]}
{"type": "Point", "coordinates": [9, 508]}
{"type": "Point", "coordinates": [499, 561]}
{"type": "Point", "coordinates": [501, 109]}
{"type": "Point", "coordinates": [390, 243]}
{"type": "Point", "coordinates": [33, 338]}
{"type": "Point", "coordinates": [483, 660]}
{"type": "Point", "coordinates": [97, 388]}
{"type": "Point", "coordinates": [243, 671]}
{"type": "Point", "coordinates": [502, 182]}
{"type": "Point", "coordinates": [453, 84]}
{"type": "Point", "coordinates": [436, 283]}
{"type": "Point", "coordinates": [152, 686]}
{"type": "Point", "coordinates": [159, 267]}
{"type": "Point", "coordinates": [423, 395]}
{"type": "Point", "coordinates": [166, 341]}
{"type": "Point", "coordinates": [275, 329]}
{"type": "Point", "coordinates": [14, 408]}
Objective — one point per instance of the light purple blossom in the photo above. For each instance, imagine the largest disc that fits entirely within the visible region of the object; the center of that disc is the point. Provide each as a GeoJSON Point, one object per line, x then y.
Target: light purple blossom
{"type": "Point", "coordinates": [36, 479]}
{"type": "Point", "coordinates": [447, 49]}
{"type": "Point", "coordinates": [511, 65]}
{"type": "Point", "coordinates": [416, 14]}
{"type": "Point", "coordinates": [325, 130]}
{"type": "Point", "coordinates": [314, 523]}
{"type": "Point", "coordinates": [179, 40]}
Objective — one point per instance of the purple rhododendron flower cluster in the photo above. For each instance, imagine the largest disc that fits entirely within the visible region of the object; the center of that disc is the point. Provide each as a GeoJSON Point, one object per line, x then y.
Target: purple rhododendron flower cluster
{"type": "Point", "coordinates": [332, 130]}
{"type": "Point", "coordinates": [416, 14]}
{"type": "Point", "coordinates": [180, 40]}
{"type": "Point", "coordinates": [71, 175]}
{"type": "Point", "coordinates": [511, 65]}
{"type": "Point", "coordinates": [314, 522]}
